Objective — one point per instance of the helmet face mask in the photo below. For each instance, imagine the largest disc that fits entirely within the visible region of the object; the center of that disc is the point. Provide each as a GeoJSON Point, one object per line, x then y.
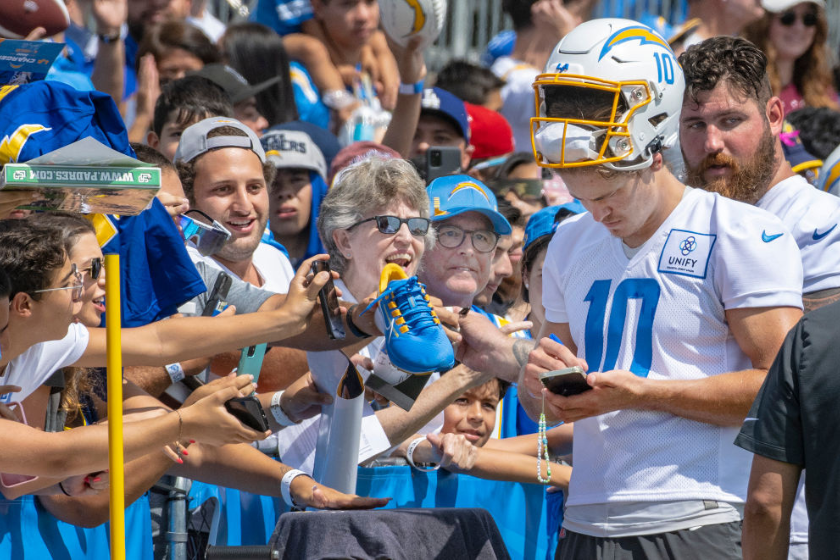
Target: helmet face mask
{"type": "Point", "coordinates": [611, 96]}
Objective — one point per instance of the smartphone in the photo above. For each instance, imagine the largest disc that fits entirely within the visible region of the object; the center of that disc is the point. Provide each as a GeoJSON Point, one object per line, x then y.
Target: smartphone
{"type": "Point", "coordinates": [217, 301]}
{"type": "Point", "coordinates": [250, 361]}
{"type": "Point", "coordinates": [249, 411]}
{"type": "Point", "coordinates": [565, 382]}
{"type": "Point", "coordinates": [441, 161]}
{"type": "Point", "coordinates": [329, 303]}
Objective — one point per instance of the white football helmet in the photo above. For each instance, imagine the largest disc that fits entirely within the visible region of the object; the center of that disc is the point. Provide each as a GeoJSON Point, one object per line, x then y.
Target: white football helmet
{"type": "Point", "coordinates": [611, 95]}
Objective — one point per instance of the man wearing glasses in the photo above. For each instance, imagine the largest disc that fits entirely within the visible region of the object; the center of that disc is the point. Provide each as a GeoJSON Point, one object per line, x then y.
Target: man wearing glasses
{"type": "Point", "coordinates": [468, 225]}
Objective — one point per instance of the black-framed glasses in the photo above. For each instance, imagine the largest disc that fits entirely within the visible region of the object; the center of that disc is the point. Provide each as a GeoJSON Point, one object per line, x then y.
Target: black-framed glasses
{"type": "Point", "coordinates": [77, 286]}
{"type": "Point", "coordinates": [789, 18]}
{"type": "Point", "coordinates": [389, 225]}
{"type": "Point", "coordinates": [208, 238]}
{"type": "Point", "coordinates": [95, 268]}
{"type": "Point", "coordinates": [451, 237]}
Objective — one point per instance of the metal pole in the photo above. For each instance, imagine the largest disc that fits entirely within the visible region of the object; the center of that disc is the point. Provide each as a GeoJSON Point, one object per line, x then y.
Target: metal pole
{"type": "Point", "coordinates": [177, 503]}
{"type": "Point", "coordinates": [116, 462]}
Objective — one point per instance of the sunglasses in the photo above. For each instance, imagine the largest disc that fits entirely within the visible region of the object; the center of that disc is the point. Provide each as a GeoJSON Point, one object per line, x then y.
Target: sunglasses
{"type": "Point", "coordinates": [95, 268]}
{"type": "Point", "coordinates": [789, 18]}
{"type": "Point", "coordinates": [207, 238]}
{"type": "Point", "coordinates": [389, 225]}
{"type": "Point", "coordinates": [77, 286]}
{"type": "Point", "coordinates": [451, 237]}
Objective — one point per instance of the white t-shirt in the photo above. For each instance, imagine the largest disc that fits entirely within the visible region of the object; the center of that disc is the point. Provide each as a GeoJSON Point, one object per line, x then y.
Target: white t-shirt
{"type": "Point", "coordinates": [32, 368]}
{"type": "Point", "coordinates": [661, 314]}
{"type": "Point", "coordinates": [517, 98]}
{"type": "Point", "coordinates": [812, 216]}
{"type": "Point", "coordinates": [272, 265]}
{"type": "Point", "coordinates": [297, 444]}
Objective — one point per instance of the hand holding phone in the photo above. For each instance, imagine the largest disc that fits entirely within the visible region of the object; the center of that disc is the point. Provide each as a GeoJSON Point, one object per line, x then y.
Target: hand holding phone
{"type": "Point", "coordinates": [329, 303]}
{"type": "Point", "coordinates": [565, 382]}
{"type": "Point", "coordinates": [249, 411]}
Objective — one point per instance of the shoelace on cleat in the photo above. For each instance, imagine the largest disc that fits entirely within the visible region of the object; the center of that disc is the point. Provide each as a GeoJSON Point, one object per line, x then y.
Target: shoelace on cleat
{"type": "Point", "coordinates": [411, 300]}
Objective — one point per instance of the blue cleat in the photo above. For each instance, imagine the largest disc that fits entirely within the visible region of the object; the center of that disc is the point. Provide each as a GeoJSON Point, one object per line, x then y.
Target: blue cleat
{"type": "Point", "coordinates": [414, 338]}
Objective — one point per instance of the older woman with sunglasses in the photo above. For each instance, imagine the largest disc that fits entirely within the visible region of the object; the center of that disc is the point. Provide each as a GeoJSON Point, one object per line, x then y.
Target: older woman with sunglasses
{"type": "Point", "coordinates": [794, 35]}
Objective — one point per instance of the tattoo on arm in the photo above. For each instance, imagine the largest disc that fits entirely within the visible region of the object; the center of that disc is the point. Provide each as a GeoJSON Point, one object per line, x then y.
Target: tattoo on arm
{"type": "Point", "coordinates": [521, 349]}
{"type": "Point", "coordinates": [815, 300]}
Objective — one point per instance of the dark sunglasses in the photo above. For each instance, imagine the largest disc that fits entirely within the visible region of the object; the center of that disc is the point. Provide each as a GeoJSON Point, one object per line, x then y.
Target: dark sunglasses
{"type": "Point", "coordinates": [94, 269]}
{"type": "Point", "coordinates": [789, 18]}
{"type": "Point", "coordinates": [208, 238]}
{"type": "Point", "coordinates": [389, 225]}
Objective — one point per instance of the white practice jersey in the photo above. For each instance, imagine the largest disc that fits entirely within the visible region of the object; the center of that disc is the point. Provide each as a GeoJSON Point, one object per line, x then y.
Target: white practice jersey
{"type": "Point", "coordinates": [661, 315]}
{"type": "Point", "coordinates": [812, 216]}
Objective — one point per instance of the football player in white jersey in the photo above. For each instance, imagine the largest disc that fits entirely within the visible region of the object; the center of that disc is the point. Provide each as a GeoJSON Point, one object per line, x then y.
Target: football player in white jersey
{"type": "Point", "coordinates": [729, 134]}
{"type": "Point", "coordinates": [672, 298]}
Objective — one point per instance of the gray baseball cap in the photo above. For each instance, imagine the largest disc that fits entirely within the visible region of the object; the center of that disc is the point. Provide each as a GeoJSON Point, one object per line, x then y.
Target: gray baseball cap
{"type": "Point", "coordinates": [295, 149]}
{"type": "Point", "coordinates": [194, 141]}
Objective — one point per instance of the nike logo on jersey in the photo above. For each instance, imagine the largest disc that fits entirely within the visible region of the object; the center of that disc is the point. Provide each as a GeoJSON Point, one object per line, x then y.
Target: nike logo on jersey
{"type": "Point", "coordinates": [768, 238]}
{"type": "Point", "coordinates": [818, 236]}
{"type": "Point", "coordinates": [750, 420]}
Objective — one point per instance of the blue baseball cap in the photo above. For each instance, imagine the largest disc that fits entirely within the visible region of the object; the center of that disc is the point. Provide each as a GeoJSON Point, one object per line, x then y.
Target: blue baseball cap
{"type": "Point", "coordinates": [545, 222]}
{"type": "Point", "coordinates": [440, 102]}
{"type": "Point", "coordinates": [456, 194]}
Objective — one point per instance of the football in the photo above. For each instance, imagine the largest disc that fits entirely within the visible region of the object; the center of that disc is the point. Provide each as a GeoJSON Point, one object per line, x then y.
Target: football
{"type": "Point", "coordinates": [19, 17]}
{"type": "Point", "coordinates": [404, 19]}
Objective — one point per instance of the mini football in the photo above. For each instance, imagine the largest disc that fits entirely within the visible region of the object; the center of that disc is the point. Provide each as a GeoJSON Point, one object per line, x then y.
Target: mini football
{"type": "Point", "coordinates": [404, 19]}
{"type": "Point", "coordinates": [19, 17]}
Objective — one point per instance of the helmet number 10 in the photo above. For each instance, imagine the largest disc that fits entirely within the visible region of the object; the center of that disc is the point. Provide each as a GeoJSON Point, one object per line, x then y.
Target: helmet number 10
{"type": "Point", "coordinates": [664, 67]}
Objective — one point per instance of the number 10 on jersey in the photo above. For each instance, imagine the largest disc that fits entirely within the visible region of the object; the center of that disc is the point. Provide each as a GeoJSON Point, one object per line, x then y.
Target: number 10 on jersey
{"type": "Point", "coordinates": [645, 289]}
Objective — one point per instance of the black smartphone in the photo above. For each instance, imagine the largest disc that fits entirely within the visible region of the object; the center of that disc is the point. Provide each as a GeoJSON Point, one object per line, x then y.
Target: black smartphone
{"type": "Point", "coordinates": [329, 303]}
{"type": "Point", "coordinates": [249, 411]}
{"type": "Point", "coordinates": [442, 161]}
{"type": "Point", "coordinates": [216, 302]}
{"type": "Point", "coordinates": [565, 382]}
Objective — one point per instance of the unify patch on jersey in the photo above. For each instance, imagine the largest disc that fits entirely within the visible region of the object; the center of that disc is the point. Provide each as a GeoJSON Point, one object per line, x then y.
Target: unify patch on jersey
{"type": "Point", "coordinates": [686, 253]}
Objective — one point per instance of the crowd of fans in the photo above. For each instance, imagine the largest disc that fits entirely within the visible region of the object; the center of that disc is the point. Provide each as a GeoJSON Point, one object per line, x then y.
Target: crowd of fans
{"type": "Point", "coordinates": [306, 135]}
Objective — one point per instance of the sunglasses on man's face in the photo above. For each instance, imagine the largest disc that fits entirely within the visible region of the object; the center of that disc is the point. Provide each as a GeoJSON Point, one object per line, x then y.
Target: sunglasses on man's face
{"type": "Point", "coordinates": [789, 18]}
{"type": "Point", "coordinates": [208, 238]}
{"type": "Point", "coordinates": [389, 225]}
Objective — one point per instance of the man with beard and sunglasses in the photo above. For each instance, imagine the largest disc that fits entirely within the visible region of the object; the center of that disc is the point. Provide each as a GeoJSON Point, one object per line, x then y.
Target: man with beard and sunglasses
{"type": "Point", "coordinates": [729, 133]}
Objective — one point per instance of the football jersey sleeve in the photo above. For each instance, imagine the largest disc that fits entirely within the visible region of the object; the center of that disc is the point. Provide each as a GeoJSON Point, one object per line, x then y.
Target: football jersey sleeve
{"type": "Point", "coordinates": [756, 259]}
{"type": "Point", "coordinates": [773, 427]}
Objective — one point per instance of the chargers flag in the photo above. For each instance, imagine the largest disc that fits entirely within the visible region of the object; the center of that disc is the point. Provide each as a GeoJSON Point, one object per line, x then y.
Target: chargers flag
{"type": "Point", "coordinates": [157, 274]}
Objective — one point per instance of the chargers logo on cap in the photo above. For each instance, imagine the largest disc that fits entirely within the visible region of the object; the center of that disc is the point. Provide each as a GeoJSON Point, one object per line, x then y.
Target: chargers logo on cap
{"type": "Point", "coordinates": [467, 185]}
{"type": "Point", "coordinates": [640, 33]}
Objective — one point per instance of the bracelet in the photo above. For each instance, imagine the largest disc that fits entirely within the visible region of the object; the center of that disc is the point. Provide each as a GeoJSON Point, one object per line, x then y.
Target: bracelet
{"type": "Point", "coordinates": [357, 332]}
{"type": "Point", "coordinates": [411, 89]}
{"type": "Point", "coordinates": [176, 372]}
{"type": "Point", "coordinates": [277, 411]}
{"type": "Point", "coordinates": [409, 455]}
{"type": "Point", "coordinates": [286, 486]}
{"type": "Point", "coordinates": [119, 35]}
{"type": "Point", "coordinates": [338, 99]}
{"type": "Point", "coordinates": [61, 485]}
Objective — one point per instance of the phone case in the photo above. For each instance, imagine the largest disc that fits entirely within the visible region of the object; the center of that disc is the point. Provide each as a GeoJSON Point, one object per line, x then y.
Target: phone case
{"type": "Point", "coordinates": [250, 361]}
{"type": "Point", "coordinates": [566, 383]}
{"type": "Point", "coordinates": [335, 326]}
{"type": "Point", "coordinates": [249, 411]}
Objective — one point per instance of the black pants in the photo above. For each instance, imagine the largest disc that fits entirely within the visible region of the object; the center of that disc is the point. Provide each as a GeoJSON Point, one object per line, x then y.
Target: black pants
{"type": "Point", "coordinates": [709, 542]}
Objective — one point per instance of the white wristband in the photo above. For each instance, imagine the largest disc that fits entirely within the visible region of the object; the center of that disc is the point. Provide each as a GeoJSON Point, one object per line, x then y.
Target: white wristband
{"type": "Point", "coordinates": [409, 455]}
{"type": "Point", "coordinates": [176, 372]}
{"type": "Point", "coordinates": [286, 486]}
{"type": "Point", "coordinates": [277, 411]}
{"type": "Point", "coordinates": [411, 89]}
